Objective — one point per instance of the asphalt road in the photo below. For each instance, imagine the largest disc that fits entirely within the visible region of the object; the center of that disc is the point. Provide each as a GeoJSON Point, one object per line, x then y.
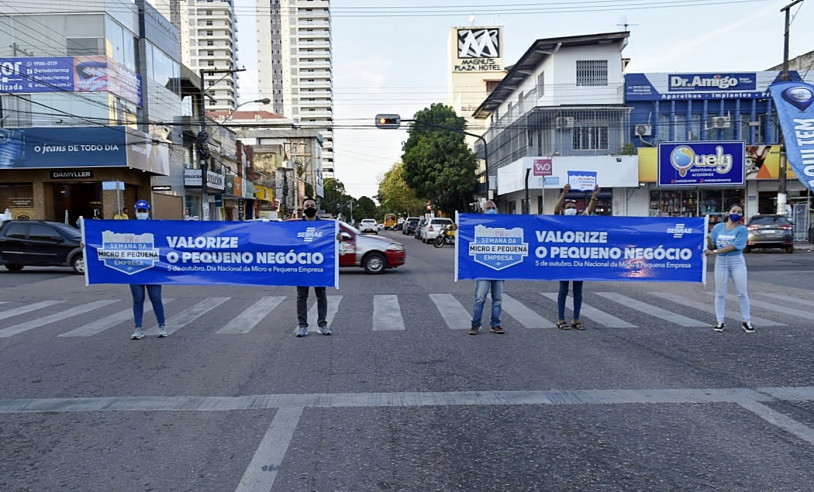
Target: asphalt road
{"type": "Point", "coordinates": [400, 397]}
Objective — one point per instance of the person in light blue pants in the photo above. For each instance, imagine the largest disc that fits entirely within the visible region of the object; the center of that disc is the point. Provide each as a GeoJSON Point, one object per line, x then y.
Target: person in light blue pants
{"type": "Point", "coordinates": [482, 288]}
{"type": "Point", "coordinates": [726, 243]}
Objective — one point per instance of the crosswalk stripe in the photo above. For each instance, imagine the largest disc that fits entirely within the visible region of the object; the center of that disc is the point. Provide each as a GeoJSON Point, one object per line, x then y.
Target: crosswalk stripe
{"type": "Point", "coordinates": [387, 313]}
{"type": "Point", "coordinates": [590, 312]}
{"type": "Point", "coordinates": [708, 307]}
{"type": "Point", "coordinates": [793, 300]}
{"type": "Point", "coordinates": [60, 316]}
{"type": "Point", "coordinates": [248, 319]}
{"type": "Point", "coordinates": [521, 314]}
{"type": "Point", "coordinates": [455, 315]}
{"type": "Point", "coordinates": [108, 322]}
{"type": "Point", "coordinates": [188, 315]}
{"type": "Point", "coordinates": [27, 308]}
{"type": "Point", "coordinates": [651, 310]}
{"type": "Point", "coordinates": [333, 308]}
{"type": "Point", "coordinates": [768, 306]}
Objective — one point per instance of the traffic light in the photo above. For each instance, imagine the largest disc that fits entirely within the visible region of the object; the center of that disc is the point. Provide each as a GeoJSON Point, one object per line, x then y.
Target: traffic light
{"type": "Point", "coordinates": [388, 121]}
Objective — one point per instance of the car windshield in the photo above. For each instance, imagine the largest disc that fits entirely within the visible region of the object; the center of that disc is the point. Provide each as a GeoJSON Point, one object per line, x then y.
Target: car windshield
{"type": "Point", "coordinates": [355, 230]}
{"type": "Point", "coordinates": [769, 220]}
{"type": "Point", "coordinates": [70, 231]}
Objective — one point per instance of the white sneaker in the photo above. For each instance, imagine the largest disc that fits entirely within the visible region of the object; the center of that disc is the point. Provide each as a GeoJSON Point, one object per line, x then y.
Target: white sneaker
{"type": "Point", "coordinates": [324, 330]}
{"type": "Point", "coordinates": [301, 331]}
{"type": "Point", "coordinates": [162, 331]}
{"type": "Point", "coordinates": [138, 334]}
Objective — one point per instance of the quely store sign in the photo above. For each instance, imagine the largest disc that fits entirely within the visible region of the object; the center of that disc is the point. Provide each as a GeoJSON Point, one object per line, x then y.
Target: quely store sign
{"type": "Point", "coordinates": [214, 181]}
{"type": "Point", "coordinates": [699, 164]}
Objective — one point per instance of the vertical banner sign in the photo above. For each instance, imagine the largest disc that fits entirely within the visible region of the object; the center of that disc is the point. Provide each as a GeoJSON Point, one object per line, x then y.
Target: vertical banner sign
{"type": "Point", "coordinates": [296, 253]}
{"type": "Point", "coordinates": [793, 101]}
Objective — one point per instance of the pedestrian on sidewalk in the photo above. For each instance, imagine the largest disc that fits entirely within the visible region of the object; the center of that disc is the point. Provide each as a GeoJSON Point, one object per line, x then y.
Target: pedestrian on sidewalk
{"type": "Point", "coordinates": [726, 243]}
{"type": "Point", "coordinates": [153, 291]}
{"type": "Point", "coordinates": [569, 207]}
{"type": "Point", "coordinates": [482, 288]}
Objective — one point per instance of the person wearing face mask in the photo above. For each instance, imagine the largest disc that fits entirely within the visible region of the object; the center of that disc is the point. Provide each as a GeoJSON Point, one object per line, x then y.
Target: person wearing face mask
{"type": "Point", "coordinates": [726, 243]}
{"type": "Point", "coordinates": [482, 288]}
{"type": "Point", "coordinates": [310, 213]}
{"type": "Point", "coordinates": [569, 207]}
{"type": "Point", "coordinates": [153, 291]}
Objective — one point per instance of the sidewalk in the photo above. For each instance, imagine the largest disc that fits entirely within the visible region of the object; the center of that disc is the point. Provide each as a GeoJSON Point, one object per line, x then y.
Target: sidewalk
{"type": "Point", "coordinates": [803, 246]}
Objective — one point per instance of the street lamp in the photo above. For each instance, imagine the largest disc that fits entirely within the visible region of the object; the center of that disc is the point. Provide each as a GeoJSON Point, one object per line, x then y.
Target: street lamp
{"type": "Point", "coordinates": [203, 137]}
{"type": "Point", "coordinates": [265, 100]}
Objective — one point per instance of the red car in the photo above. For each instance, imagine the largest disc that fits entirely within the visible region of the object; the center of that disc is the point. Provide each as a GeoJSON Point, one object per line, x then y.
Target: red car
{"type": "Point", "coordinates": [373, 253]}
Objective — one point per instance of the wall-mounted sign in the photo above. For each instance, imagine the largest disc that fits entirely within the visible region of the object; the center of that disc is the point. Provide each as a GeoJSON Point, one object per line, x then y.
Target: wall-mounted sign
{"type": "Point", "coordinates": [161, 188]}
{"type": "Point", "coordinates": [478, 50]}
{"type": "Point", "coordinates": [78, 174]}
{"type": "Point", "coordinates": [701, 163]}
{"type": "Point", "coordinates": [712, 85]}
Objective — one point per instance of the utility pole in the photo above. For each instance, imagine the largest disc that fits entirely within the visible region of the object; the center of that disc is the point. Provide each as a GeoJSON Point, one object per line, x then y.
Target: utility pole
{"type": "Point", "coordinates": [781, 173]}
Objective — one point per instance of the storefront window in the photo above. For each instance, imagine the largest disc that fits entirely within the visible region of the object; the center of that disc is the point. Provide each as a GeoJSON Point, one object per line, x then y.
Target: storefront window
{"type": "Point", "coordinates": [694, 203]}
{"type": "Point", "coordinates": [18, 199]}
{"type": "Point", "coordinates": [192, 207]}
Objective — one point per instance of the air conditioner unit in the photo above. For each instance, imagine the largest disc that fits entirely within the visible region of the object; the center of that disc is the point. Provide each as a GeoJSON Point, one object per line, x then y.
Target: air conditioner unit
{"type": "Point", "coordinates": [644, 130]}
{"type": "Point", "coordinates": [564, 122]}
{"type": "Point", "coordinates": [721, 122]}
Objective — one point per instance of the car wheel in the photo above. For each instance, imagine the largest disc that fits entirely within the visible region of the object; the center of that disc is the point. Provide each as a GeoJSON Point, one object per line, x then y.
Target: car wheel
{"type": "Point", "coordinates": [789, 249]}
{"type": "Point", "coordinates": [374, 263]}
{"type": "Point", "coordinates": [78, 264]}
{"type": "Point", "coordinates": [13, 267]}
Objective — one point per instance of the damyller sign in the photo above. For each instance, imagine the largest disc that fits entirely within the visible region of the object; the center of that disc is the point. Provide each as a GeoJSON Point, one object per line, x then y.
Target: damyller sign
{"type": "Point", "coordinates": [296, 253]}
{"type": "Point", "coordinates": [556, 247]}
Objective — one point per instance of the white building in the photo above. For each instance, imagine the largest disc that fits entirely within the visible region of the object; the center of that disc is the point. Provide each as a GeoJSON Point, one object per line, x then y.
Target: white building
{"type": "Point", "coordinates": [295, 66]}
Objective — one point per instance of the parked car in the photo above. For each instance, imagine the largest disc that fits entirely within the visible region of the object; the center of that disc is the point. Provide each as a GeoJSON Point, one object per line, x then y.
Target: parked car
{"type": "Point", "coordinates": [40, 243]}
{"type": "Point", "coordinates": [409, 225]}
{"type": "Point", "coordinates": [420, 227]}
{"type": "Point", "coordinates": [434, 227]}
{"type": "Point", "coordinates": [770, 231]}
{"type": "Point", "coordinates": [374, 254]}
{"type": "Point", "coordinates": [369, 225]}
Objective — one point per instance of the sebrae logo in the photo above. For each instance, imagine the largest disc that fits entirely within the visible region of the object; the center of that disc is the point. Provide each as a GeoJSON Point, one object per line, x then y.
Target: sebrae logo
{"type": "Point", "coordinates": [479, 43]}
{"type": "Point", "coordinates": [309, 234]}
{"type": "Point", "coordinates": [498, 247]}
{"type": "Point", "coordinates": [128, 253]}
{"type": "Point", "coordinates": [679, 230]}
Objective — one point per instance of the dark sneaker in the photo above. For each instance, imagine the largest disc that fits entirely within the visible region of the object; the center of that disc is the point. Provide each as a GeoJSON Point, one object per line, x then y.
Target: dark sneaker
{"type": "Point", "coordinates": [474, 330]}
{"type": "Point", "coordinates": [301, 331]}
{"type": "Point", "coordinates": [719, 326]}
{"type": "Point", "coordinates": [498, 330]}
{"type": "Point", "coordinates": [324, 330]}
{"type": "Point", "coordinates": [747, 327]}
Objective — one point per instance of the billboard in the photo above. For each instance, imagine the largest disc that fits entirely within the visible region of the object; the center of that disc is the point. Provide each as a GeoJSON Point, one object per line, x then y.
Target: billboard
{"type": "Point", "coordinates": [701, 163]}
{"type": "Point", "coordinates": [713, 85]}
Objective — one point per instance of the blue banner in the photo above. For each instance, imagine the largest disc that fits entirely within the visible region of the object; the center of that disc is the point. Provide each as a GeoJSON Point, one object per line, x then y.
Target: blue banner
{"type": "Point", "coordinates": [701, 163]}
{"type": "Point", "coordinates": [44, 147]}
{"type": "Point", "coordinates": [793, 101]}
{"type": "Point", "coordinates": [556, 247]}
{"type": "Point", "coordinates": [296, 253]}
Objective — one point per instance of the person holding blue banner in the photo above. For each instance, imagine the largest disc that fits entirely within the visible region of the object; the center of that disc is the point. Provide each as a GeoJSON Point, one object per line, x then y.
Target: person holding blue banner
{"type": "Point", "coordinates": [153, 291]}
{"type": "Point", "coordinates": [310, 212]}
{"type": "Point", "coordinates": [569, 207]}
{"type": "Point", "coordinates": [482, 288]}
{"type": "Point", "coordinates": [726, 243]}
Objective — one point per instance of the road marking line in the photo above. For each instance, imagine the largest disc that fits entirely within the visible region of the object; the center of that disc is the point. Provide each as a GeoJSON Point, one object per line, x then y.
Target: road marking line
{"type": "Point", "coordinates": [188, 315]}
{"type": "Point", "coordinates": [590, 312]}
{"type": "Point", "coordinates": [794, 300]}
{"type": "Point", "coordinates": [709, 307]}
{"type": "Point", "coordinates": [522, 314]}
{"type": "Point", "coordinates": [455, 315]}
{"type": "Point", "coordinates": [333, 308]}
{"type": "Point", "coordinates": [103, 324]}
{"type": "Point", "coordinates": [387, 313]}
{"type": "Point", "coordinates": [769, 306]}
{"type": "Point", "coordinates": [262, 470]}
{"type": "Point", "coordinates": [651, 310]}
{"type": "Point", "coordinates": [62, 315]}
{"type": "Point", "coordinates": [248, 319]}
{"type": "Point", "coordinates": [785, 422]}
{"type": "Point", "coordinates": [27, 308]}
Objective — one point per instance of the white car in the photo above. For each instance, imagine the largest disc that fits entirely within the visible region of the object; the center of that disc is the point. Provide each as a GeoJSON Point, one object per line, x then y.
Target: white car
{"type": "Point", "coordinates": [433, 227]}
{"type": "Point", "coordinates": [368, 225]}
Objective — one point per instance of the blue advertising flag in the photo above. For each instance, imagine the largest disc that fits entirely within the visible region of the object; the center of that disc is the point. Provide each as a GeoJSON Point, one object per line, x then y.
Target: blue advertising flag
{"type": "Point", "coordinates": [795, 110]}
{"type": "Point", "coordinates": [556, 247]}
{"type": "Point", "coordinates": [296, 253]}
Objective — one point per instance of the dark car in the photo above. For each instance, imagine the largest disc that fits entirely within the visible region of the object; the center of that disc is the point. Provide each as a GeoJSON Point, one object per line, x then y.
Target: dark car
{"type": "Point", "coordinates": [770, 231]}
{"type": "Point", "coordinates": [40, 243]}
{"type": "Point", "coordinates": [409, 225]}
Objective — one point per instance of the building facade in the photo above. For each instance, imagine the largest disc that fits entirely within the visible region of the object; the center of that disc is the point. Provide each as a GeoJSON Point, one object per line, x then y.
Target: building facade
{"type": "Point", "coordinates": [295, 68]}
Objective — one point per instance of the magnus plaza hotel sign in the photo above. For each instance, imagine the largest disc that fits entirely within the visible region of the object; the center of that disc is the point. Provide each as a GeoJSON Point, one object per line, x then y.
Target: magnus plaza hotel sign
{"type": "Point", "coordinates": [478, 50]}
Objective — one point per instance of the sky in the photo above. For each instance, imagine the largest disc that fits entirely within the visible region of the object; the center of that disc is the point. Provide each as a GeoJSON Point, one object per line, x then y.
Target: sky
{"type": "Point", "coordinates": [390, 56]}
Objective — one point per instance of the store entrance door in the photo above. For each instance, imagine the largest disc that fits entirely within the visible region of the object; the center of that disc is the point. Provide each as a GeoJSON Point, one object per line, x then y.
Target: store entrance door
{"type": "Point", "coordinates": [77, 199]}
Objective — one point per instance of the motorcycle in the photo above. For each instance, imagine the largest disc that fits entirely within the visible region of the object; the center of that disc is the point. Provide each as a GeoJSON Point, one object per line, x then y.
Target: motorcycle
{"type": "Point", "coordinates": [447, 236]}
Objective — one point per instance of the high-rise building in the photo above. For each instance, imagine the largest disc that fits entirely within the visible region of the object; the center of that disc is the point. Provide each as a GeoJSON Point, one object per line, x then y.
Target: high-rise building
{"type": "Point", "coordinates": [294, 65]}
{"type": "Point", "coordinates": [208, 42]}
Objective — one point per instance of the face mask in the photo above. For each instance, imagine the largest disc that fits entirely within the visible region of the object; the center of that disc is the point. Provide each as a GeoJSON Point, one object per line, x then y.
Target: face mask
{"type": "Point", "coordinates": [142, 215]}
{"type": "Point", "coordinates": [735, 217]}
{"type": "Point", "coordinates": [310, 212]}
{"type": "Point", "coordinates": [570, 211]}
{"type": "Point", "coordinates": [491, 211]}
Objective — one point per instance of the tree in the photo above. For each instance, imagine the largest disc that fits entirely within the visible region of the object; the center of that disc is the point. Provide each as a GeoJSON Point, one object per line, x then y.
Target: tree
{"type": "Point", "coordinates": [365, 209]}
{"type": "Point", "coordinates": [334, 197]}
{"type": "Point", "coordinates": [437, 162]}
{"type": "Point", "coordinates": [394, 194]}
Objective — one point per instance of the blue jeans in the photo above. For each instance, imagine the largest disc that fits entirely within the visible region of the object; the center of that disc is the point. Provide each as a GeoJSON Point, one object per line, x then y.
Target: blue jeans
{"type": "Point", "coordinates": [154, 292]}
{"type": "Point", "coordinates": [302, 306]}
{"type": "Point", "coordinates": [564, 293]}
{"type": "Point", "coordinates": [481, 289]}
{"type": "Point", "coordinates": [733, 267]}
